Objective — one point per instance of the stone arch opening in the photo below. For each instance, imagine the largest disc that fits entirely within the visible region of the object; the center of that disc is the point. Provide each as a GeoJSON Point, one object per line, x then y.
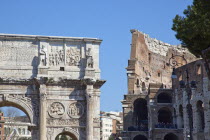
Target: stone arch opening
{"type": "Point", "coordinates": [16, 123]}
{"type": "Point", "coordinates": [140, 113]}
{"type": "Point", "coordinates": [164, 98]}
{"type": "Point", "coordinates": [66, 135]}
{"type": "Point", "coordinates": [140, 137]}
{"type": "Point", "coordinates": [137, 83]}
{"type": "Point", "coordinates": [171, 136]}
{"type": "Point", "coordinates": [190, 115]}
{"type": "Point", "coordinates": [165, 115]}
{"type": "Point", "coordinates": [200, 115]}
{"type": "Point", "coordinates": [143, 86]}
{"type": "Point", "coordinates": [18, 106]}
{"type": "Point", "coordinates": [198, 69]}
{"type": "Point", "coordinates": [181, 116]}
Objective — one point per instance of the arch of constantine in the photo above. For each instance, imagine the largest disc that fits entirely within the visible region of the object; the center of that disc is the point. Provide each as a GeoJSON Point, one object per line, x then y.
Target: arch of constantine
{"type": "Point", "coordinates": [55, 81]}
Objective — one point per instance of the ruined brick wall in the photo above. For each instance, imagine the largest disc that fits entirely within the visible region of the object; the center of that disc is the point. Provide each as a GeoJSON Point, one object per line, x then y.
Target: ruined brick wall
{"type": "Point", "coordinates": [149, 62]}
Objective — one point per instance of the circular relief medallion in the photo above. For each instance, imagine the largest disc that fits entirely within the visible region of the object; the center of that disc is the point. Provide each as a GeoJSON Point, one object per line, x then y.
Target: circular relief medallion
{"type": "Point", "coordinates": [75, 110]}
{"type": "Point", "coordinates": [56, 110]}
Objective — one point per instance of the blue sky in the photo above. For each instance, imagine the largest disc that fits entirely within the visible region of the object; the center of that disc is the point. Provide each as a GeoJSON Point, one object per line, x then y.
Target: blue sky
{"type": "Point", "coordinates": [110, 20]}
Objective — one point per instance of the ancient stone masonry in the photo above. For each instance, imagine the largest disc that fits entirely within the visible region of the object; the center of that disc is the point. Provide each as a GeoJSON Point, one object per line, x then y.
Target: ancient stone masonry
{"type": "Point", "coordinates": [198, 100]}
{"type": "Point", "coordinates": [149, 62]}
{"type": "Point", "coordinates": [55, 81]}
{"type": "Point", "coordinates": [149, 107]}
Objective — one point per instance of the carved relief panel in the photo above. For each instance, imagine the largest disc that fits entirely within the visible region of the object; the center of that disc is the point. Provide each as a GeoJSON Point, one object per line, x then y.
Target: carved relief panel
{"type": "Point", "coordinates": [75, 110]}
{"type": "Point", "coordinates": [56, 110]}
{"type": "Point", "coordinates": [72, 115]}
{"type": "Point", "coordinates": [73, 54]}
{"type": "Point", "coordinates": [56, 54]}
{"type": "Point", "coordinates": [73, 57]}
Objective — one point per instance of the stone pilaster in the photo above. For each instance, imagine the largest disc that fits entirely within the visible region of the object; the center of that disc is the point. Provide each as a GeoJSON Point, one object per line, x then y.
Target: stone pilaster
{"type": "Point", "coordinates": [179, 121]}
{"type": "Point", "coordinates": [206, 117]}
{"type": "Point", "coordinates": [90, 112]}
{"type": "Point", "coordinates": [186, 123]}
{"type": "Point", "coordinates": [42, 119]}
{"type": "Point", "coordinates": [151, 118]}
{"type": "Point", "coordinates": [185, 114]}
{"type": "Point", "coordinates": [96, 117]}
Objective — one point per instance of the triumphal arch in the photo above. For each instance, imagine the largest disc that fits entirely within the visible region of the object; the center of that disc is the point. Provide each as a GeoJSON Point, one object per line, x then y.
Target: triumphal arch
{"type": "Point", "coordinates": [55, 81]}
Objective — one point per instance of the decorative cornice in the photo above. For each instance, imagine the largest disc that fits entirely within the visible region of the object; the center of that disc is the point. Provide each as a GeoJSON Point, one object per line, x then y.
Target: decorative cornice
{"type": "Point", "coordinates": [50, 81]}
{"type": "Point", "coordinates": [42, 37]}
{"type": "Point", "coordinates": [12, 81]}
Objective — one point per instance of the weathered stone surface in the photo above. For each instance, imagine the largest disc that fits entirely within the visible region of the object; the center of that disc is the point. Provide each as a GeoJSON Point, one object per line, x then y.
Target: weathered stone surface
{"type": "Point", "coordinates": [47, 77]}
{"type": "Point", "coordinates": [149, 78]}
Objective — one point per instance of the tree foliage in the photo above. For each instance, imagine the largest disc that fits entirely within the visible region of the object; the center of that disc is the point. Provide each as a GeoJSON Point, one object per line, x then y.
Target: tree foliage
{"type": "Point", "coordinates": [62, 137]}
{"type": "Point", "coordinates": [193, 29]}
{"type": "Point", "coordinates": [111, 137]}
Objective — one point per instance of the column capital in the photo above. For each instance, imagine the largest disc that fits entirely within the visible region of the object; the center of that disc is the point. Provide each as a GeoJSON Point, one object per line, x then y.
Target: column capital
{"type": "Point", "coordinates": [43, 97]}
{"type": "Point", "coordinates": [94, 82]}
{"type": "Point", "coordinates": [42, 92]}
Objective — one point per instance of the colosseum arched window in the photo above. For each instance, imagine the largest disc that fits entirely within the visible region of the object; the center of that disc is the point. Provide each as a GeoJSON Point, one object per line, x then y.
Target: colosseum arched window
{"type": "Point", "coordinates": [181, 116]}
{"type": "Point", "coordinates": [165, 115]}
{"type": "Point", "coordinates": [140, 112]}
{"type": "Point", "coordinates": [200, 116]}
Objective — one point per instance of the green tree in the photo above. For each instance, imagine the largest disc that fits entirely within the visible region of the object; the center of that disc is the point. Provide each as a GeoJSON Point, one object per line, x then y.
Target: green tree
{"type": "Point", "coordinates": [61, 137]}
{"type": "Point", "coordinates": [111, 137]}
{"type": "Point", "coordinates": [64, 137]}
{"type": "Point", "coordinates": [193, 29]}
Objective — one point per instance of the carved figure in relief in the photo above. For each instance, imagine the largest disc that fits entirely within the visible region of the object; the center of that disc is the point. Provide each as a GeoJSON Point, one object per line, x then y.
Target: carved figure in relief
{"type": "Point", "coordinates": [43, 56]}
{"type": "Point", "coordinates": [56, 110]}
{"type": "Point", "coordinates": [56, 58]}
{"type": "Point", "coordinates": [73, 57]}
{"type": "Point", "coordinates": [88, 52]}
{"type": "Point", "coordinates": [89, 58]}
{"type": "Point", "coordinates": [50, 133]}
{"type": "Point", "coordinates": [89, 62]}
{"type": "Point", "coordinates": [76, 110]}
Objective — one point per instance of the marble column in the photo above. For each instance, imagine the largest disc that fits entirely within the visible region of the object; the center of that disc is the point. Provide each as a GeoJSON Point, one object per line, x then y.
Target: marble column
{"type": "Point", "coordinates": [90, 112]}
{"type": "Point", "coordinates": [42, 119]}
{"type": "Point", "coordinates": [96, 117]}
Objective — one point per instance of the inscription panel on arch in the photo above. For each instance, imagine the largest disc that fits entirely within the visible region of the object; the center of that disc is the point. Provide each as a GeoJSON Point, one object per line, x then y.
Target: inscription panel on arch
{"type": "Point", "coordinates": [18, 53]}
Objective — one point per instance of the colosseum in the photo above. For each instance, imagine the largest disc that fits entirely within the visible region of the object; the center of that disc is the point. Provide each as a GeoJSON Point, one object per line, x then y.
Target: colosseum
{"type": "Point", "coordinates": [157, 107]}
